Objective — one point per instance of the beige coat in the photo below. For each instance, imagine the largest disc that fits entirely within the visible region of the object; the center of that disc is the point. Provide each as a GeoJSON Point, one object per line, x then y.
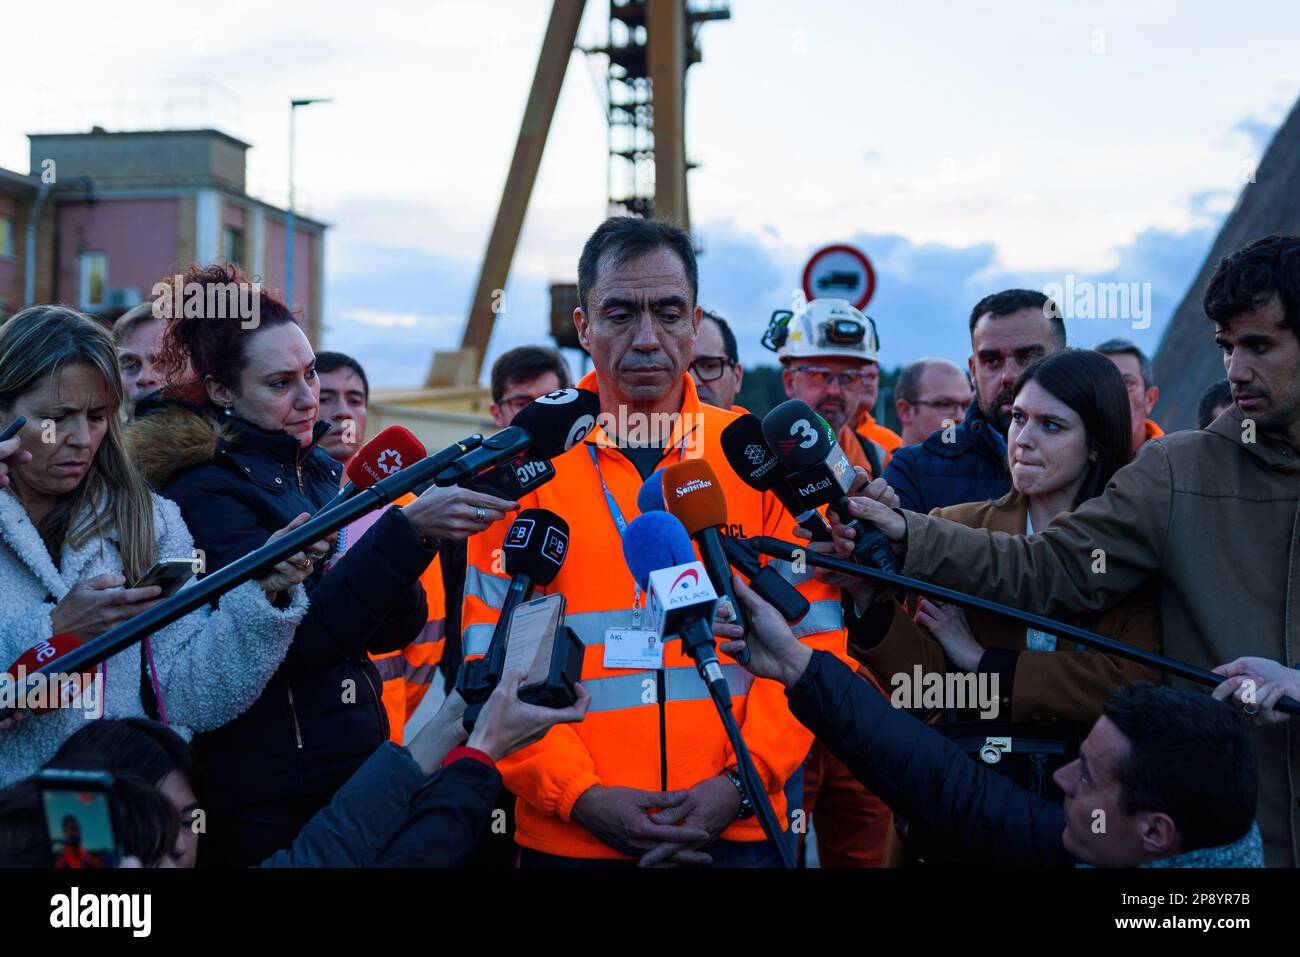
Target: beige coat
{"type": "Point", "coordinates": [1070, 683]}
{"type": "Point", "coordinates": [1217, 519]}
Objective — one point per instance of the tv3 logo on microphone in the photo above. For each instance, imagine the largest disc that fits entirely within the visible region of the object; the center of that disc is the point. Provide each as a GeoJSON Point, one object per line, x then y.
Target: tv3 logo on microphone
{"type": "Point", "coordinates": [802, 436]}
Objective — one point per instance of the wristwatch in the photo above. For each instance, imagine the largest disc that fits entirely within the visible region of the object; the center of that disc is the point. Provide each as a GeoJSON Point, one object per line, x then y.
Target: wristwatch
{"type": "Point", "coordinates": [746, 805]}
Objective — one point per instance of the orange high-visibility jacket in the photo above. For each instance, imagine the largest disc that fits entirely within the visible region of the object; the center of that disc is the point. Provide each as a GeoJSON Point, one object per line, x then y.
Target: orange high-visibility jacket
{"type": "Point", "coordinates": [407, 672]}
{"type": "Point", "coordinates": [873, 430]}
{"type": "Point", "coordinates": [653, 730]}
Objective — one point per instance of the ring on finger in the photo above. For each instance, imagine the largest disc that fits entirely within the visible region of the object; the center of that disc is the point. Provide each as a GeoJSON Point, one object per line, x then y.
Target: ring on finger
{"type": "Point", "coordinates": [1250, 710]}
{"type": "Point", "coordinates": [480, 514]}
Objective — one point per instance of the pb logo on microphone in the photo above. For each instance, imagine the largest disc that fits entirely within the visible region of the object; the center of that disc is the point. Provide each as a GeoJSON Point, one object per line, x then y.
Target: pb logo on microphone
{"type": "Point", "coordinates": [555, 546]}
{"type": "Point", "coordinates": [521, 530]}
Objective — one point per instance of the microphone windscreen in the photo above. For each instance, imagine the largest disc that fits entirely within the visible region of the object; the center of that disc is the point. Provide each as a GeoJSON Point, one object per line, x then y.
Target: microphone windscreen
{"type": "Point", "coordinates": [652, 541]}
{"type": "Point", "coordinates": [651, 496]}
{"type": "Point", "coordinates": [558, 421]}
{"type": "Point", "coordinates": [40, 655]}
{"type": "Point", "coordinates": [694, 496]}
{"type": "Point", "coordinates": [749, 455]}
{"type": "Point", "coordinates": [798, 435]}
{"type": "Point", "coordinates": [536, 545]}
{"type": "Point", "coordinates": [387, 453]}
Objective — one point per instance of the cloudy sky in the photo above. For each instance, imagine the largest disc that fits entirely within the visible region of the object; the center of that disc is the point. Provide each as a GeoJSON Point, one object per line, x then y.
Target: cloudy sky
{"type": "Point", "coordinates": [965, 147]}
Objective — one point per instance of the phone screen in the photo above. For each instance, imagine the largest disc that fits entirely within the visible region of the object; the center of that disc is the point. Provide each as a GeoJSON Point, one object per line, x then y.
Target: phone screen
{"type": "Point", "coordinates": [532, 635]}
{"type": "Point", "coordinates": [79, 823]}
{"type": "Point", "coordinates": [169, 575]}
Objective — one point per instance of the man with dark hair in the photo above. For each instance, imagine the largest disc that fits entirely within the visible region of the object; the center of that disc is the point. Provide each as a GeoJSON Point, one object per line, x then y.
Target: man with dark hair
{"type": "Point", "coordinates": [1213, 403]}
{"type": "Point", "coordinates": [1008, 330]}
{"type": "Point", "coordinates": [520, 376]}
{"type": "Point", "coordinates": [1209, 513]}
{"type": "Point", "coordinates": [715, 362]}
{"type": "Point", "coordinates": [1140, 381]}
{"type": "Point", "coordinates": [649, 776]}
{"type": "Point", "coordinates": [344, 403]}
{"type": "Point", "coordinates": [930, 395]}
{"type": "Point", "coordinates": [1165, 778]}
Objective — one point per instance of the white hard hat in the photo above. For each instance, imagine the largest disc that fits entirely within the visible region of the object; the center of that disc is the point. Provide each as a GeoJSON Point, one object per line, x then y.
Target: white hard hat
{"type": "Point", "coordinates": [824, 327]}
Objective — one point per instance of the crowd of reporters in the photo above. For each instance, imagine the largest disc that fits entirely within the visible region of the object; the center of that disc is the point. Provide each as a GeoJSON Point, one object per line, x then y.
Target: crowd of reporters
{"type": "Point", "coordinates": [268, 729]}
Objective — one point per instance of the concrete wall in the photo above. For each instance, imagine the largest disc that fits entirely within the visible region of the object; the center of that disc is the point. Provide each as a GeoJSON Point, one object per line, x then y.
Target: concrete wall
{"type": "Point", "coordinates": [11, 265]}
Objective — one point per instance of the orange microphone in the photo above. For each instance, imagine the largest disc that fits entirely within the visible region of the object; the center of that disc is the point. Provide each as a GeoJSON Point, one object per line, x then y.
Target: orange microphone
{"type": "Point", "coordinates": [694, 496]}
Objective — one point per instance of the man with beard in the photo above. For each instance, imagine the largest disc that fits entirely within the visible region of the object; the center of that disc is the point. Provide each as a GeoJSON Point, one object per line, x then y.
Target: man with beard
{"type": "Point", "coordinates": [829, 354]}
{"type": "Point", "coordinates": [968, 462]}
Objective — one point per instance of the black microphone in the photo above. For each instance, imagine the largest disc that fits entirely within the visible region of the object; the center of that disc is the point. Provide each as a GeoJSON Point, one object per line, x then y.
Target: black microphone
{"type": "Point", "coordinates": [766, 581]}
{"type": "Point", "coordinates": [752, 459]}
{"type": "Point", "coordinates": [821, 474]}
{"type": "Point", "coordinates": [533, 553]}
{"type": "Point", "coordinates": [546, 427]}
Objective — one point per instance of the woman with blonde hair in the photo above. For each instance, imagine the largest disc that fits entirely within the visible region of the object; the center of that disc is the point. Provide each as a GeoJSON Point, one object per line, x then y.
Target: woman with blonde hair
{"type": "Point", "coordinates": [78, 525]}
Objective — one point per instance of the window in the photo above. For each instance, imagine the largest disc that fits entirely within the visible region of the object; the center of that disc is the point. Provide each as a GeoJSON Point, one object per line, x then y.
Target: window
{"type": "Point", "coordinates": [232, 244]}
{"type": "Point", "coordinates": [94, 280]}
{"type": "Point", "coordinates": [6, 236]}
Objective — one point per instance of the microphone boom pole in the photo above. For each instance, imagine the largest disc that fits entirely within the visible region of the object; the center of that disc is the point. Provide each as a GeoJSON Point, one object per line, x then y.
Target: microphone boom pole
{"type": "Point", "coordinates": [90, 654]}
{"type": "Point", "coordinates": [788, 551]}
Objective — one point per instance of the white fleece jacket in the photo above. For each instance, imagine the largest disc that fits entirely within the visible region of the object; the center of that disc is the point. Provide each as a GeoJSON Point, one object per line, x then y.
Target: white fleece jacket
{"type": "Point", "coordinates": [211, 664]}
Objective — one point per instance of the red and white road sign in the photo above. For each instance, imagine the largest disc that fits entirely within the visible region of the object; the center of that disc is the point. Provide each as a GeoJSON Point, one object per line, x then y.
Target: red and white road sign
{"type": "Point", "coordinates": [840, 272]}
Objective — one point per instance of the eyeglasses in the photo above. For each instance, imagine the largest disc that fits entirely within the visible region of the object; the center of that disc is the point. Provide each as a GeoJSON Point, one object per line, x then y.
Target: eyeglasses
{"type": "Point", "coordinates": [709, 368]}
{"type": "Point", "coordinates": [517, 402]}
{"type": "Point", "coordinates": [944, 406]}
{"type": "Point", "coordinates": [849, 381]}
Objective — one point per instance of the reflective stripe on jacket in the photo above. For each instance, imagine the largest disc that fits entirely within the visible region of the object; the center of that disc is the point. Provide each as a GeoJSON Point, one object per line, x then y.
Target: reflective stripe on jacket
{"type": "Point", "coordinates": [654, 729]}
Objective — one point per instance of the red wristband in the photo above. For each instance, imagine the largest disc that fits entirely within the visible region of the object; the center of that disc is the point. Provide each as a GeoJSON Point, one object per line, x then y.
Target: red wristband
{"type": "Point", "coordinates": [474, 754]}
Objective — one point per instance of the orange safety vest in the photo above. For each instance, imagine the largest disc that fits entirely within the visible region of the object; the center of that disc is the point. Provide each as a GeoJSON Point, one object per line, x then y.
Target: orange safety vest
{"type": "Point", "coordinates": [407, 672]}
{"type": "Point", "coordinates": [653, 729]}
{"type": "Point", "coordinates": [873, 430]}
{"type": "Point", "coordinates": [1153, 431]}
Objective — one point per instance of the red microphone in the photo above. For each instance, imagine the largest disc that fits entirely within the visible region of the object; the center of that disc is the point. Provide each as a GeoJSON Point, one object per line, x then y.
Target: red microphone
{"type": "Point", "coordinates": [386, 454]}
{"type": "Point", "coordinates": [38, 698]}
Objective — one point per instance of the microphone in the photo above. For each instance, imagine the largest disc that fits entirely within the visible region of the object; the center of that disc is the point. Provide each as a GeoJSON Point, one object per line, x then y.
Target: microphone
{"type": "Point", "coordinates": [533, 553]}
{"type": "Point", "coordinates": [750, 457]}
{"type": "Point", "coordinates": [650, 498]}
{"type": "Point", "coordinates": [692, 495]}
{"type": "Point", "coordinates": [820, 473]}
{"type": "Point", "coordinates": [546, 427]}
{"type": "Point", "coordinates": [27, 664]}
{"type": "Point", "coordinates": [679, 598]}
{"type": "Point", "coordinates": [766, 581]}
{"type": "Point", "coordinates": [386, 454]}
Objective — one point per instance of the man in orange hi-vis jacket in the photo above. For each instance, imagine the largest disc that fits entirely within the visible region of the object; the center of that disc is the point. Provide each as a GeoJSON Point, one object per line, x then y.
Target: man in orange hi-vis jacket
{"type": "Point", "coordinates": [649, 774]}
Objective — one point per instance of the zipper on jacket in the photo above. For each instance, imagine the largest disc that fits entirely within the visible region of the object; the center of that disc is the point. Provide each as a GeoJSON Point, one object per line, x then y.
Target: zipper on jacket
{"type": "Point", "coordinates": [293, 711]}
{"type": "Point", "coordinates": [663, 731]}
{"type": "Point", "coordinates": [379, 704]}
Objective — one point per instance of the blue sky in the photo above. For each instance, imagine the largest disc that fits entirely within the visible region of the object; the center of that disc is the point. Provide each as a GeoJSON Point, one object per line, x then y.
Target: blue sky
{"type": "Point", "coordinates": [966, 147]}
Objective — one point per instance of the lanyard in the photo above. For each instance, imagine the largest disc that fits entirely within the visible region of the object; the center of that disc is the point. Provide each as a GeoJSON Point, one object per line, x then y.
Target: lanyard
{"type": "Point", "coordinates": [620, 523]}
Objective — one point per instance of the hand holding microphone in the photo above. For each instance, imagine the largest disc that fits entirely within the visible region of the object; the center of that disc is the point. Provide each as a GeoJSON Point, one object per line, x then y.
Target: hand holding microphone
{"type": "Point", "coordinates": [774, 652]}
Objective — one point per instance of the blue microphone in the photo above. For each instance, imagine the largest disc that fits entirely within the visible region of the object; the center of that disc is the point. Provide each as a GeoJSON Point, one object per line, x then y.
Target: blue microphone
{"type": "Point", "coordinates": [683, 607]}
{"type": "Point", "coordinates": [651, 496]}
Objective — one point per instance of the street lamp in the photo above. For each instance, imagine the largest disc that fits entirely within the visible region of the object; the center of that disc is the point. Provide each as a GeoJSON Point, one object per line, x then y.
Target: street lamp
{"type": "Point", "coordinates": [290, 223]}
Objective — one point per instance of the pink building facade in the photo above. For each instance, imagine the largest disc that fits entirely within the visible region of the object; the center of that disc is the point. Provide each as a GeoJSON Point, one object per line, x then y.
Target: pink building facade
{"type": "Point", "coordinates": [114, 213]}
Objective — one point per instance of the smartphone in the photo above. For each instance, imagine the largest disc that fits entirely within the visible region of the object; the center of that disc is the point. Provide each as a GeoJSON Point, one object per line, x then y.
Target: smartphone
{"type": "Point", "coordinates": [12, 428]}
{"type": "Point", "coordinates": [531, 637]}
{"type": "Point", "coordinates": [80, 818]}
{"type": "Point", "coordinates": [170, 575]}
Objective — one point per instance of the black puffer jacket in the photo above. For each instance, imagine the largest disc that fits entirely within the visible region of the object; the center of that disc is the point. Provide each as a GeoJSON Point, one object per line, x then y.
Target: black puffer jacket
{"type": "Point", "coordinates": [320, 717]}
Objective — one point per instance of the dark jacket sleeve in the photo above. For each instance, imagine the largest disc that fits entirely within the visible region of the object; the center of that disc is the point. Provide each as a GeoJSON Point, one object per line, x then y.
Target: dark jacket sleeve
{"type": "Point", "coordinates": [901, 475]}
{"type": "Point", "coordinates": [447, 817]}
{"type": "Point", "coordinates": [371, 601]}
{"type": "Point", "coordinates": [977, 814]}
{"type": "Point", "coordinates": [362, 816]}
